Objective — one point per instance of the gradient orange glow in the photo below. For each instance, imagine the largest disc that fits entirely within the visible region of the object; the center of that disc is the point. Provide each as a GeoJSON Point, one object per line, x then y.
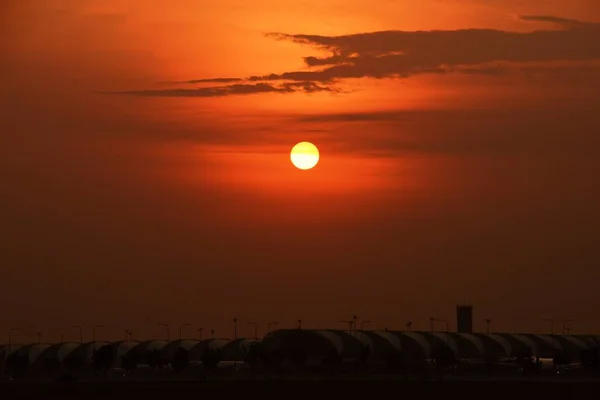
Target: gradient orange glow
{"type": "Point", "coordinates": [145, 149]}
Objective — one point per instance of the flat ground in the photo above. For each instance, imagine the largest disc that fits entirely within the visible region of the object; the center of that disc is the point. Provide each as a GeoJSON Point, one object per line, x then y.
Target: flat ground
{"type": "Point", "coordinates": [548, 389]}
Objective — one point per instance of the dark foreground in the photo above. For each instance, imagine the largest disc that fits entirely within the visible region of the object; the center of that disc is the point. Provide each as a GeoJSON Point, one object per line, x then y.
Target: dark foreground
{"type": "Point", "coordinates": [375, 390]}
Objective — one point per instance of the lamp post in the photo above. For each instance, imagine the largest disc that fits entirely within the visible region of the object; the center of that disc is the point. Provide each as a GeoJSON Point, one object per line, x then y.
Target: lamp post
{"type": "Point", "coordinates": [551, 323]}
{"type": "Point", "coordinates": [363, 323]}
{"type": "Point", "coordinates": [80, 332]}
{"type": "Point", "coordinates": [566, 328]}
{"type": "Point", "coordinates": [255, 324]}
{"type": "Point", "coordinates": [167, 330]}
{"type": "Point", "coordinates": [181, 328]}
{"type": "Point", "coordinates": [271, 324]}
{"type": "Point", "coordinates": [354, 319]}
{"type": "Point", "coordinates": [95, 328]}
{"type": "Point", "coordinates": [408, 326]}
{"type": "Point", "coordinates": [39, 337]}
{"type": "Point", "coordinates": [234, 328]}
{"type": "Point", "coordinates": [349, 322]}
{"type": "Point", "coordinates": [200, 334]}
{"type": "Point", "coordinates": [488, 323]}
{"type": "Point", "coordinates": [299, 324]}
{"type": "Point", "coordinates": [10, 332]}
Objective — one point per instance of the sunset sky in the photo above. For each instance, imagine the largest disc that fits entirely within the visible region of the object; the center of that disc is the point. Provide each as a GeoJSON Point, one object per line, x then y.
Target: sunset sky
{"type": "Point", "coordinates": [145, 171]}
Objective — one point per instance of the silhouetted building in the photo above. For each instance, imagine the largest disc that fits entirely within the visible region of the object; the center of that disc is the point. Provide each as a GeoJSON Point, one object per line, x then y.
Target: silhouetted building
{"type": "Point", "coordinates": [464, 319]}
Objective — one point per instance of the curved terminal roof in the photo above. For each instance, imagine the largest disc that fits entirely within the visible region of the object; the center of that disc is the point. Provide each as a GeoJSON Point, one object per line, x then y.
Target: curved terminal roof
{"type": "Point", "coordinates": [351, 344]}
{"type": "Point", "coordinates": [205, 346]}
{"type": "Point", "coordinates": [32, 352]}
{"type": "Point", "coordinates": [496, 346]}
{"type": "Point", "coordinates": [237, 350]}
{"type": "Point", "coordinates": [469, 346]}
{"type": "Point", "coordinates": [168, 351]}
{"type": "Point", "coordinates": [414, 345]}
{"type": "Point", "coordinates": [148, 345]}
{"type": "Point", "coordinates": [85, 352]}
{"type": "Point", "coordinates": [381, 345]}
{"type": "Point", "coordinates": [316, 345]}
{"type": "Point", "coordinates": [58, 352]}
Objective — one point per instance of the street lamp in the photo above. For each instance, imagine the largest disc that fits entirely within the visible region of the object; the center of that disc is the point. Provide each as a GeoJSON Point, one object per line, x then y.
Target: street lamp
{"type": "Point", "coordinates": [181, 328]}
{"type": "Point", "coordinates": [95, 328]}
{"type": "Point", "coordinates": [299, 324]}
{"type": "Point", "coordinates": [349, 322]}
{"type": "Point", "coordinates": [408, 326]}
{"type": "Point", "coordinates": [39, 337]}
{"type": "Point", "coordinates": [200, 333]}
{"type": "Point", "coordinates": [167, 330]}
{"type": "Point", "coordinates": [488, 323]}
{"type": "Point", "coordinates": [10, 332]}
{"type": "Point", "coordinates": [566, 328]}
{"type": "Point", "coordinates": [551, 322]}
{"type": "Point", "coordinates": [255, 324]}
{"type": "Point", "coordinates": [270, 324]}
{"type": "Point", "coordinates": [80, 332]}
{"type": "Point", "coordinates": [234, 328]}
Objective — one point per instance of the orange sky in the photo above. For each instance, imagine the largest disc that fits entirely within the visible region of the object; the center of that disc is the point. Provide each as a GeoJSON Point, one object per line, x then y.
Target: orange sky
{"type": "Point", "coordinates": [458, 162]}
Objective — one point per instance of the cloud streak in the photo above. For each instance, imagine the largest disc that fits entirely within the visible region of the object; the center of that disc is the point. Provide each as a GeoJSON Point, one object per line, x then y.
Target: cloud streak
{"type": "Point", "coordinates": [402, 54]}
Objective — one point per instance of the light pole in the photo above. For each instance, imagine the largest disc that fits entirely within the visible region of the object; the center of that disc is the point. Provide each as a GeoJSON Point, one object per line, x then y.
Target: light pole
{"type": "Point", "coordinates": [363, 323]}
{"type": "Point", "coordinates": [271, 324]}
{"type": "Point", "coordinates": [200, 334]}
{"type": "Point", "coordinates": [551, 322]}
{"type": "Point", "coordinates": [167, 330]}
{"type": "Point", "coordinates": [566, 328]}
{"type": "Point", "coordinates": [299, 324]}
{"type": "Point", "coordinates": [212, 333]}
{"type": "Point", "coordinates": [255, 324]}
{"type": "Point", "coordinates": [408, 326]}
{"type": "Point", "coordinates": [181, 328]}
{"type": "Point", "coordinates": [234, 328]}
{"type": "Point", "coordinates": [10, 332]}
{"type": "Point", "coordinates": [80, 332]}
{"type": "Point", "coordinates": [488, 323]}
{"type": "Point", "coordinates": [354, 319]}
{"type": "Point", "coordinates": [39, 337]}
{"type": "Point", "coordinates": [349, 322]}
{"type": "Point", "coordinates": [95, 328]}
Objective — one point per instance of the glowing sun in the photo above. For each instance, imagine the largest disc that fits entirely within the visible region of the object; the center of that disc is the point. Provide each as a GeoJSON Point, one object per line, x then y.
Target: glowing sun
{"type": "Point", "coordinates": [304, 155]}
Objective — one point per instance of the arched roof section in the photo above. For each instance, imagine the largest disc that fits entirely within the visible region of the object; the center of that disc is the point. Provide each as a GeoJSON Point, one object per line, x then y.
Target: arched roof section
{"type": "Point", "coordinates": [469, 346]}
{"type": "Point", "coordinates": [314, 344]}
{"type": "Point", "coordinates": [121, 349]}
{"type": "Point", "coordinates": [439, 340]}
{"type": "Point", "coordinates": [414, 345]}
{"type": "Point", "coordinates": [352, 345]}
{"type": "Point", "coordinates": [206, 346]}
{"type": "Point", "coordinates": [520, 344]}
{"type": "Point", "coordinates": [237, 350]}
{"type": "Point", "coordinates": [5, 351]}
{"type": "Point", "coordinates": [169, 351]}
{"type": "Point", "coordinates": [85, 352]}
{"type": "Point", "coordinates": [573, 346]}
{"type": "Point", "coordinates": [148, 345]}
{"type": "Point", "coordinates": [381, 344]}
{"type": "Point", "coordinates": [58, 352]}
{"type": "Point", "coordinates": [547, 346]}
{"type": "Point", "coordinates": [495, 345]}
{"type": "Point", "coordinates": [32, 352]}
{"type": "Point", "coordinates": [591, 340]}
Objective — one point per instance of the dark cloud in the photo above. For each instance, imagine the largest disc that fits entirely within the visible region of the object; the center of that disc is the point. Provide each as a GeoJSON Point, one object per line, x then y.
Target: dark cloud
{"type": "Point", "coordinates": [236, 89]}
{"type": "Point", "coordinates": [401, 54]}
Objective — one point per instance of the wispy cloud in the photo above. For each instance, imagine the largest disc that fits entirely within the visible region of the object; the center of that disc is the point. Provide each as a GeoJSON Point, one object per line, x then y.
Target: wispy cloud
{"type": "Point", "coordinates": [402, 54]}
{"type": "Point", "coordinates": [235, 89]}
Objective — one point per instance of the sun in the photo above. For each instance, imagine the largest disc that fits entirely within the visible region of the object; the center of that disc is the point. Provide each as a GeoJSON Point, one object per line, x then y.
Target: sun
{"type": "Point", "coordinates": [304, 155]}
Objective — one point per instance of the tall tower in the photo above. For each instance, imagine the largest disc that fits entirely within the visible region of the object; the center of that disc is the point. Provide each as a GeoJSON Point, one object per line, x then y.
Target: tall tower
{"type": "Point", "coordinates": [464, 319]}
